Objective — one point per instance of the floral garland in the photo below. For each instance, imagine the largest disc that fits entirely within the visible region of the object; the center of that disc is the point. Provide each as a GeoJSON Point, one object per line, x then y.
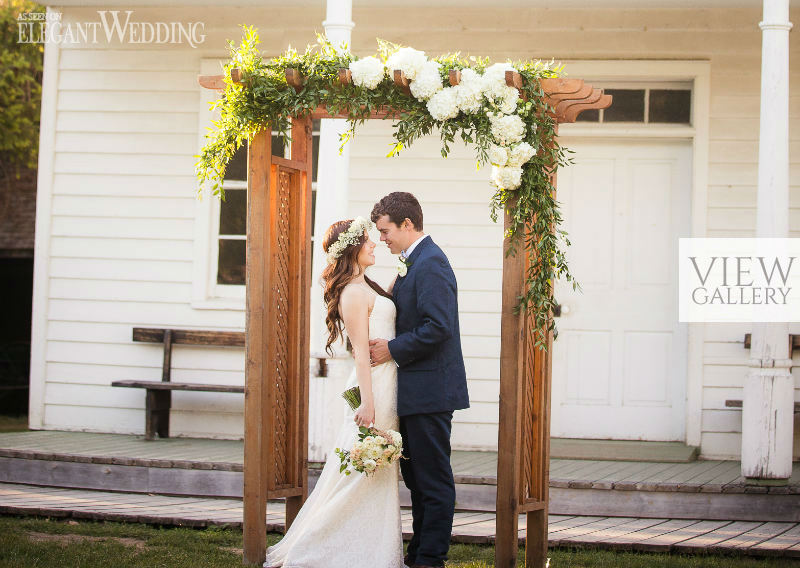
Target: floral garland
{"type": "Point", "coordinates": [350, 236]}
{"type": "Point", "coordinates": [513, 133]}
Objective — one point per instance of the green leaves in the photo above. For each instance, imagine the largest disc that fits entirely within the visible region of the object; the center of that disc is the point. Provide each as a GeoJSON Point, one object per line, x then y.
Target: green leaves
{"type": "Point", "coordinates": [265, 98]}
{"type": "Point", "coordinates": [344, 456]}
{"type": "Point", "coordinates": [20, 89]}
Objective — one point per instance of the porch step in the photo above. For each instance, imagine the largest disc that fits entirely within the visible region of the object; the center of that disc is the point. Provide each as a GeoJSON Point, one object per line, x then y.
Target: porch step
{"type": "Point", "coordinates": [622, 450]}
{"type": "Point", "coordinates": [697, 490]}
{"type": "Point", "coordinates": [616, 533]}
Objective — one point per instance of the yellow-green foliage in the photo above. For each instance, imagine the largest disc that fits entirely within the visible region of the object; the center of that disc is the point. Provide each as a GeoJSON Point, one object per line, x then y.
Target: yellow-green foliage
{"type": "Point", "coordinates": [20, 89]}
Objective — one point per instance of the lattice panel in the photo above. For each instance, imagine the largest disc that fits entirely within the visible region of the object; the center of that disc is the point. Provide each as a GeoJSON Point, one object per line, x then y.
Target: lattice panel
{"type": "Point", "coordinates": [527, 490]}
{"type": "Point", "coordinates": [280, 295]}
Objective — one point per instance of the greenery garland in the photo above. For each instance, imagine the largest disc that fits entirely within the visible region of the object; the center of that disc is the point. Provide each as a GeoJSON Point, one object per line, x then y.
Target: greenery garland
{"type": "Point", "coordinates": [265, 98]}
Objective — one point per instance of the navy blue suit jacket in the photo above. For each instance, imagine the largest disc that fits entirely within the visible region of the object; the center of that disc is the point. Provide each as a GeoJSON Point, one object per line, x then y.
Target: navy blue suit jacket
{"type": "Point", "coordinates": [427, 347]}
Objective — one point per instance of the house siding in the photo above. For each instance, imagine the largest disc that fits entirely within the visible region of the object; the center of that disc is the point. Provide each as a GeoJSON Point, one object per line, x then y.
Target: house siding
{"type": "Point", "coordinates": [121, 229]}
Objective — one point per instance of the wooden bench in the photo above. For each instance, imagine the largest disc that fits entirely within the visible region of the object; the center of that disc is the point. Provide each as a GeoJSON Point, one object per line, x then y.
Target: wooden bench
{"type": "Point", "coordinates": [158, 400]}
{"type": "Point", "coordinates": [738, 404]}
{"type": "Point", "coordinates": [794, 343]}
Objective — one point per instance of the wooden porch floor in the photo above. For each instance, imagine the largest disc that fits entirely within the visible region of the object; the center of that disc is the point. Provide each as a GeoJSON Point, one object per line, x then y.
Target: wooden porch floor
{"type": "Point", "coordinates": [704, 476]}
{"type": "Point", "coordinates": [621, 533]}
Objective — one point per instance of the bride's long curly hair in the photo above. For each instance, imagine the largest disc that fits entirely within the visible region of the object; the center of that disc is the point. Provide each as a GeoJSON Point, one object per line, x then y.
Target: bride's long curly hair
{"type": "Point", "coordinates": [339, 274]}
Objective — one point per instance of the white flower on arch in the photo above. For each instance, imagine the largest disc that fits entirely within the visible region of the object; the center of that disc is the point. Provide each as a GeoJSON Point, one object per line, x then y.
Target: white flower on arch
{"type": "Point", "coordinates": [428, 81]}
{"type": "Point", "coordinates": [443, 105]}
{"type": "Point", "coordinates": [367, 72]}
{"type": "Point", "coordinates": [408, 60]}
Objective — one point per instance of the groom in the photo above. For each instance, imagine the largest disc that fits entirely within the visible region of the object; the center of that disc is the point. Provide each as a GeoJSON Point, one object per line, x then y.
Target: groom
{"type": "Point", "coordinates": [431, 381]}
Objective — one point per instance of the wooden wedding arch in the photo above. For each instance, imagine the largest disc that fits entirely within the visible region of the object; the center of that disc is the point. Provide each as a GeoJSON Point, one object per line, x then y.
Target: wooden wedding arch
{"type": "Point", "coordinates": [278, 282]}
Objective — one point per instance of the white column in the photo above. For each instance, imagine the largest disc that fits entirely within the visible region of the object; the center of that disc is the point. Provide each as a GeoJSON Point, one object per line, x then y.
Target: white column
{"type": "Point", "coordinates": [332, 185]}
{"type": "Point", "coordinates": [768, 398]}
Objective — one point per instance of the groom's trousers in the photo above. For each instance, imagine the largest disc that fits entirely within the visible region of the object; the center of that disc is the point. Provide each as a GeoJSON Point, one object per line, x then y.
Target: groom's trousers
{"type": "Point", "coordinates": [429, 477]}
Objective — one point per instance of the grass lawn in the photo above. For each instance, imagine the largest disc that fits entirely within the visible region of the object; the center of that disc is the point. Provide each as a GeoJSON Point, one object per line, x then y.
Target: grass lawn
{"type": "Point", "coordinates": [29, 542]}
{"type": "Point", "coordinates": [13, 423]}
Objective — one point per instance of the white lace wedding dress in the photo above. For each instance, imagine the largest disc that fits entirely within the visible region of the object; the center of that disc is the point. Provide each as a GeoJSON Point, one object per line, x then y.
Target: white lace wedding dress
{"type": "Point", "coordinates": [350, 521]}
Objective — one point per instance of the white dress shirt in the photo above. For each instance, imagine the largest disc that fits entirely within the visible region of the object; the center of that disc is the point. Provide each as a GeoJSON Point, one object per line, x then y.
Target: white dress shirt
{"type": "Point", "coordinates": [407, 252]}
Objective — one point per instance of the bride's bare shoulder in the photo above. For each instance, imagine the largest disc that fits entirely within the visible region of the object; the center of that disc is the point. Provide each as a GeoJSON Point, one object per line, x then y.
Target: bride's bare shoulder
{"type": "Point", "coordinates": [355, 295]}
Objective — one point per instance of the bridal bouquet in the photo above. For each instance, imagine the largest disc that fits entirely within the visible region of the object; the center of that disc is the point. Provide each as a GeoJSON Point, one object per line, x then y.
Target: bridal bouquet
{"type": "Point", "coordinates": [374, 448]}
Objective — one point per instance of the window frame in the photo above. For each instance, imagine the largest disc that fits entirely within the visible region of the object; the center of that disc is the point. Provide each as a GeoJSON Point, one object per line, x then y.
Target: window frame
{"type": "Point", "coordinates": [645, 86]}
{"type": "Point", "coordinates": [644, 128]}
{"type": "Point", "coordinates": [207, 294]}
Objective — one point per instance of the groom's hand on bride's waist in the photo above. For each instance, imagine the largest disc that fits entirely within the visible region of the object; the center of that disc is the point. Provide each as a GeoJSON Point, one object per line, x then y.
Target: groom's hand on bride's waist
{"type": "Point", "coordinates": [379, 351]}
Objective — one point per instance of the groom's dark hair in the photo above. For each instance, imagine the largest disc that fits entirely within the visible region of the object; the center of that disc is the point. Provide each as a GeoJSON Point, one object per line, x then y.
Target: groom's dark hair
{"type": "Point", "coordinates": [399, 205]}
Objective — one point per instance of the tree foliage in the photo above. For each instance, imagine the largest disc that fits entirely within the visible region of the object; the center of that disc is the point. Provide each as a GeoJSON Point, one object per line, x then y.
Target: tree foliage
{"type": "Point", "coordinates": [20, 89]}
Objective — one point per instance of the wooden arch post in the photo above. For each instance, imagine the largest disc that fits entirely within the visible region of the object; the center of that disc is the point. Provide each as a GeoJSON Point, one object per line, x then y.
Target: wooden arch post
{"type": "Point", "coordinates": [278, 281]}
{"type": "Point", "coordinates": [523, 445]}
{"type": "Point", "coordinates": [277, 339]}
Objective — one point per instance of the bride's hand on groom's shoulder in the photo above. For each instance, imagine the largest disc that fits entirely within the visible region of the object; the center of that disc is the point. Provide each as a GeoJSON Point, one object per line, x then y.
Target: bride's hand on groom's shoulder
{"type": "Point", "coordinates": [365, 414]}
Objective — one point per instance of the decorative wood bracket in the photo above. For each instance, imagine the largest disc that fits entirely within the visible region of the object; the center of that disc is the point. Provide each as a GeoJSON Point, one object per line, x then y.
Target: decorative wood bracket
{"type": "Point", "coordinates": [455, 77]}
{"type": "Point", "coordinates": [401, 81]}
{"type": "Point", "coordinates": [293, 77]}
{"type": "Point", "coordinates": [345, 77]}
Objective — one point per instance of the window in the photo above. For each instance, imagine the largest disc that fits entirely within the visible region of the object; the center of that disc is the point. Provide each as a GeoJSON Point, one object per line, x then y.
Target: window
{"type": "Point", "coordinates": [233, 212]}
{"type": "Point", "coordinates": [668, 104]}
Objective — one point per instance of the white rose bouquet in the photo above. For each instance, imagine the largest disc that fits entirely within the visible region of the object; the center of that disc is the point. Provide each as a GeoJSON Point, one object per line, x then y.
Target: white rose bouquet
{"type": "Point", "coordinates": [374, 449]}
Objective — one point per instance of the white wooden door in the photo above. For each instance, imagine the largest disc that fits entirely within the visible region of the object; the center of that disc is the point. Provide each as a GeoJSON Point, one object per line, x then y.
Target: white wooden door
{"type": "Point", "coordinates": [619, 362]}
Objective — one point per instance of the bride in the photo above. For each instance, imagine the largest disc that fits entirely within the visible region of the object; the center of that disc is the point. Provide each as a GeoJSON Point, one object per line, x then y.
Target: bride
{"type": "Point", "coordinates": [352, 520]}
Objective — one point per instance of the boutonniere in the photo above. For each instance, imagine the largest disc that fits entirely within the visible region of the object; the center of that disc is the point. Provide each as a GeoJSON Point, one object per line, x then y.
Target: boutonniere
{"type": "Point", "coordinates": [402, 266]}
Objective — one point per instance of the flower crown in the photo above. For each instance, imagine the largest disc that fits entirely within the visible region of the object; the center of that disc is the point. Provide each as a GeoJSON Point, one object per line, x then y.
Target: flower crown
{"type": "Point", "coordinates": [351, 236]}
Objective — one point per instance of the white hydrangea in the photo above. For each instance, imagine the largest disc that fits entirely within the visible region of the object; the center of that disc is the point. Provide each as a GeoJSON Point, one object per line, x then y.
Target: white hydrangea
{"type": "Point", "coordinates": [469, 91]}
{"type": "Point", "coordinates": [507, 129]}
{"type": "Point", "coordinates": [428, 81]}
{"type": "Point", "coordinates": [367, 72]}
{"type": "Point", "coordinates": [520, 154]}
{"type": "Point", "coordinates": [508, 104]}
{"type": "Point", "coordinates": [408, 60]}
{"type": "Point", "coordinates": [506, 177]}
{"type": "Point", "coordinates": [497, 72]}
{"type": "Point", "coordinates": [504, 97]}
{"type": "Point", "coordinates": [498, 155]}
{"type": "Point", "coordinates": [443, 105]}
{"type": "Point", "coordinates": [496, 90]}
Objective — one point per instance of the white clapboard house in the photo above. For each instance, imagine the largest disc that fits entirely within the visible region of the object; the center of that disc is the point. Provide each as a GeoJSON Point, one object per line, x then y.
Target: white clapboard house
{"type": "Point", "coordinates": [122, 242]}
